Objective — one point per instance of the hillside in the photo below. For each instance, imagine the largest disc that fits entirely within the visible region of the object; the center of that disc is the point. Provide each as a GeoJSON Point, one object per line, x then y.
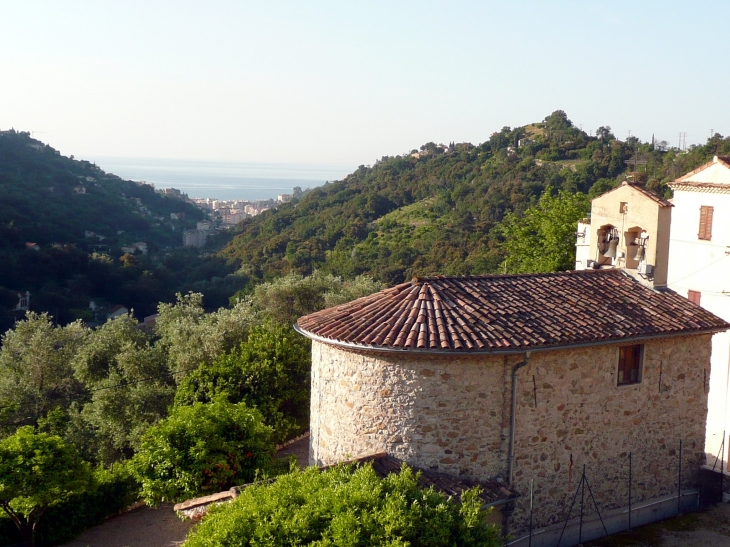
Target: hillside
{"type": "Point", "coordinates": [434, 210]}
{"type": "Point", "coordinates": [63, 223]}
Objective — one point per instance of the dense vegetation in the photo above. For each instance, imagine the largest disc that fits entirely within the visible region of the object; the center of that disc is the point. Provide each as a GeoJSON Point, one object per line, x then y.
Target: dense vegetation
{"type": "Point", "coordinates": [348, 508]}
{"type": "Point", "coordinates": [435, 211]}
{"type": "Point", "coordinates": [190, 408]}
{"type": "Point", "coordinates": [68, 267]}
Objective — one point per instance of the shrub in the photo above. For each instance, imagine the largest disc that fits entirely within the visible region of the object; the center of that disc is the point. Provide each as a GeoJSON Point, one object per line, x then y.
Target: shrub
{"type": "Point", "coordinates": [201, 449]}
{"type": "Point", "coordinates": [346, 508]}
{"type": "Point", "coordinates": [109, 493]}
{"type": "Point", "coordinates": [270, 371]}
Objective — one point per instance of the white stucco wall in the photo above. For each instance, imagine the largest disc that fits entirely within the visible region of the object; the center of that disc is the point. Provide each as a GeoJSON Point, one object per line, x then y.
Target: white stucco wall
{"type": "Point", "coordinates": [704, 266]}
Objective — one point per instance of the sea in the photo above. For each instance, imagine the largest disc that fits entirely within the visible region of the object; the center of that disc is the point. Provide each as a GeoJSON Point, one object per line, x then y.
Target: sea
{"type": "Point", "coordinates": [224, 180]}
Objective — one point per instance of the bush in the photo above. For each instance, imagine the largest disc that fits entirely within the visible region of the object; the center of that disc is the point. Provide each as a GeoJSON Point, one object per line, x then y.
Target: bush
{"type": "Point", "coordinates": [270, 372]}
{"type": "Point", "coordinates": [109, 493]}
{"type": "Point", "coordinates": [345, 508]}
{"type": "Point", "coordinates": [201, 449]}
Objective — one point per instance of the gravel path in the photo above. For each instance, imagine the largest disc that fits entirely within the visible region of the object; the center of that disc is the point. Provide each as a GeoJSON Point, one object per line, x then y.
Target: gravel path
{"type": "Point", "coordinates": [144, 527]}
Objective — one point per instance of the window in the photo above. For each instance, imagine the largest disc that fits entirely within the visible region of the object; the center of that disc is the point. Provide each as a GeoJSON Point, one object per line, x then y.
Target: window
{"type": "Point", "coordinates": [705, 223]}
{"type": "Point", "coordinates": [629, 364]}
{"type": "Point", "coordinates": [694, 296]}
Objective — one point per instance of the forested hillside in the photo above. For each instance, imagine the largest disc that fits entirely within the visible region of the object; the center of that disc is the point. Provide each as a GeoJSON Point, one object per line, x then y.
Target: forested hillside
{"type": "Point", "coordinates": [63, 223]}
{"type": "Point", "coordinates": [435, 210]}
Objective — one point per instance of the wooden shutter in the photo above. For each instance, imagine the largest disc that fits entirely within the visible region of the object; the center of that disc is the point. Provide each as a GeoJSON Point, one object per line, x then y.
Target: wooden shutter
{"type": "Point", "coordinates": [694, 296]}
{"type": "Point", "coordinates": [706, 212]}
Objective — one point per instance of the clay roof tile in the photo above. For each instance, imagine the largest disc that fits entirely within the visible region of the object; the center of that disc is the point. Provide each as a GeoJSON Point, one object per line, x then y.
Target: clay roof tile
{"type": "Point", "coordinates": [509, 312]}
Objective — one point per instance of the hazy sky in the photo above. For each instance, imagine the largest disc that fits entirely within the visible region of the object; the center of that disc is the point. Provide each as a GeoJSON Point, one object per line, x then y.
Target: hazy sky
{"type": "Point", "coordinates": [349, 82]}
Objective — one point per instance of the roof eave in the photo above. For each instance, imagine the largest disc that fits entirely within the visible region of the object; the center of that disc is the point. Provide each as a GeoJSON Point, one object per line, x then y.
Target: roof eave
{"type": "Point", "coordinates": [506, 351]}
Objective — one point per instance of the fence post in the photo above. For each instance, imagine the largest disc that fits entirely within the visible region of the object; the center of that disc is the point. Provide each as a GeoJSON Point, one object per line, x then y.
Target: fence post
{"type": "Point", "coordinates": [582, 496]}
{"type": "Point", "coordinates": [529, 543]}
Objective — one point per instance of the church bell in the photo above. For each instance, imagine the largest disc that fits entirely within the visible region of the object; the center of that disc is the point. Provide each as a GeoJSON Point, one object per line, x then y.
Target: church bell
{"type": "Point", "coordinates": [611, 251]}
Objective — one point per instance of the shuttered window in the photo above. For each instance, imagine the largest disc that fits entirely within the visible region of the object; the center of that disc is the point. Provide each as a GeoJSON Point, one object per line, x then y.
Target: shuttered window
{"type": "Point", "coordinates": [705, 223]}
{"type": "Point", "coordinates": [694, 296]}
{"type": "Point", "coordinates": [629, 364]}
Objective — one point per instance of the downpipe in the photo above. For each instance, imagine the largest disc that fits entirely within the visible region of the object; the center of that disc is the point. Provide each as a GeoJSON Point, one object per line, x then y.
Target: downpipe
{"type": "Point", "coordinates": [513, 418]}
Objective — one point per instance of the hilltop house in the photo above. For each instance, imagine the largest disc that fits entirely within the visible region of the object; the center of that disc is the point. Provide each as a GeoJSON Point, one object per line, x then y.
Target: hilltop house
{"type": "Point", "coordinates": [523, 379]}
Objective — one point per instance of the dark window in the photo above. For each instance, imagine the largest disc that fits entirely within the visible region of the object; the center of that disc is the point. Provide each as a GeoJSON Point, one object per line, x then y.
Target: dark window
{"type": "Point", "coordinates": [706, 212]}
{"type": "Point", "coordinates": [694, 296]}
{"type": "Point", "coordinates": [629, 364]}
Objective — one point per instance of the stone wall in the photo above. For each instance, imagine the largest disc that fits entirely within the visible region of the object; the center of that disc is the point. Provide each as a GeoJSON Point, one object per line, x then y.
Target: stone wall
{"type": "Point", "coordinates": [452, 413]}
{"type": "Point", "coordinates": [443, 413]}
{"type": "Point", "coordinates": [570, 412]}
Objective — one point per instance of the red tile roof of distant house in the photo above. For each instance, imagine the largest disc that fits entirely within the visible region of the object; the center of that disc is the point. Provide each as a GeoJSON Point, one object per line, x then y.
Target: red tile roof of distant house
{"type": "Point", "coordinates": [509, 313]}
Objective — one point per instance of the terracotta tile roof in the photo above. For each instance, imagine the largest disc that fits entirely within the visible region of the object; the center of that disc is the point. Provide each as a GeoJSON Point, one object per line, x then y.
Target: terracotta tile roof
{"type": "Point", "coordinates": [509, 313]}
{"type": "Point", "coordinates": [492, 492]}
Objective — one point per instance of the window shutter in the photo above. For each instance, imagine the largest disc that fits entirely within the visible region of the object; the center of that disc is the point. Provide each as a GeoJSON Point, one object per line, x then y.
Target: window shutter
{"type": "Point", "coordinates": [706, 212]}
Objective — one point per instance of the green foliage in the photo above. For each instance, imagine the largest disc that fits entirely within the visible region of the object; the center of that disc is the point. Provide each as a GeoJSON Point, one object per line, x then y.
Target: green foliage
{"type": "Point", "coordinates": [37, 470]}
{"type": "Point", "coordinates": [35, 371]}
{"type": "Point", "coordinates": [201, 449]}
{"type": "Point", "coordinates": [39, 204]}
{"type": "Point", "coordinates": [110, 492]}
{"type": "Point", "coordinates": [543, 238]}
{"type": "Point", "coordinates": [190, 336]}
{"type": "Point", "coordinates": [345, 508]}
{"type": "Point", "coordinates": [130, 389]}
{"type": "Point", "coordinates": [270, 372]}
{"type": "Point", "coordinates": [288, 298]}
{"type": "Point", "coordinates": [435, 212]}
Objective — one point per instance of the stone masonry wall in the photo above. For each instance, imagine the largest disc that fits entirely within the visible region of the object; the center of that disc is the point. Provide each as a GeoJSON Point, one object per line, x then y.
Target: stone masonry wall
{"type": "Point", "coordinates": [570, 412]}
{"type": "Point", "coordinates": [443, 413]}
{"type": "Point", "coordinates": [452, 414]}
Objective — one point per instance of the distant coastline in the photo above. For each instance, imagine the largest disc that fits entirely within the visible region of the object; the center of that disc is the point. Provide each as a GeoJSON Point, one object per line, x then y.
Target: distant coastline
{"type": "Point", "coordinates": [223, 180]}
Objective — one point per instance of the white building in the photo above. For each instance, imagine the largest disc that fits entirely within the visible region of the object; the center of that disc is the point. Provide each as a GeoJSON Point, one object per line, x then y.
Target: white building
{"type": "Point", "coordinates": [699, 268]}
{"type": "Point", "coordinates": [688, 248]}
{"type": "Point", "coordinates": [194, 238]}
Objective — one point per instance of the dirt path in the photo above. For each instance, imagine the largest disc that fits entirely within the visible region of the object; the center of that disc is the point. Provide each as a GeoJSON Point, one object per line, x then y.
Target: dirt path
{"type": "Point", "coordinates": [144, 527]}
{"type": "Point", "coordinates": [707, 528]}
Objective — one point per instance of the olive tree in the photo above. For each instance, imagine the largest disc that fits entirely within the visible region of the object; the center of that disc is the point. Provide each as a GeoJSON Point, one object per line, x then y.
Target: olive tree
{"type": "Point", "coordinates": [36, 375]}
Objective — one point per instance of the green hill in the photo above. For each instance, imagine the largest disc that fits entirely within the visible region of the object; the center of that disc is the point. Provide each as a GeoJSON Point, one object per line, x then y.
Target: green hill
{"type": "Point", "coordinates": [63, 223]}
{"type": "Point", "coordinates": [433, 211]}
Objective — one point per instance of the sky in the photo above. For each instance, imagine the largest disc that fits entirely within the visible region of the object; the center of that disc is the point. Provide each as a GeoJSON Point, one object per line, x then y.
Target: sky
{"type": "Point", "coordinates": [349, 82]}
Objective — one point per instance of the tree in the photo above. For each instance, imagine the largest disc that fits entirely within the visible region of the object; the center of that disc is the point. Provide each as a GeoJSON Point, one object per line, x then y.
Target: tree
{"type": "Point", "coordinates": [35, 369]}
{"type": "Point", "coordinates": [288, 298]}
{"type": "Point", "coordinates": [37, 470]}
{"type": "Point", "coordinates": [270, 372]}
{"type": "Point", "coordinates": [190, 336]}
{"type": "Point", "coordinates": [131, 387]}
{"type": "Point", "coordinates": [345, 507]}
{"type": "Point", "coordinates": [543, 238]}
{"type": "Point", "coordinates": [201, 449]}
